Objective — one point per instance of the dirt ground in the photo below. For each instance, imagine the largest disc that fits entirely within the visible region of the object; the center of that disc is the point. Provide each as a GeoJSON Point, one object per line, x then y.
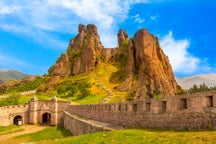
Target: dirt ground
{"type": "Point", "coordinates": [4, 139]}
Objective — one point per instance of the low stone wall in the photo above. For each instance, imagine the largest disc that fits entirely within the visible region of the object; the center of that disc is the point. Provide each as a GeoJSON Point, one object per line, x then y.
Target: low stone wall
{"type": "Point", "coordinates": [194, 111]}
{"type": "Point", "coordinates": [79, 126]}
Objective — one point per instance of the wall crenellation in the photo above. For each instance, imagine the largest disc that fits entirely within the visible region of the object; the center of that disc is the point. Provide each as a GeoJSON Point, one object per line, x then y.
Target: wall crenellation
{"type": "Point", "coordinates": [194, 111]}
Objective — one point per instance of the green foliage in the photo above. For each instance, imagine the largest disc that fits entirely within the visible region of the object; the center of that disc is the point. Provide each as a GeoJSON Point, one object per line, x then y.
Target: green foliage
{"type": "Point", "coordinates": [75, 54]}
{"type": "Point", "coordinates": [201, 88]}
{"type": "Point", "coordinates": [51, 69]}
{"type": "Point", "coordinates": [141, 136]}
{"type": "Point", "coordinates": [11, 100]}
{"type": "Point", "coordinates": [10, 129]}
{"type": "Point", "coordinates": [46, 134]}
{"type": "Point", "coordinates": [88, 36]}
{"type": "Point", "coordinates": [118, 76]}
{"type": "Point", "coordinates": [25, 85]}
{"type": "Point", "coordinates": [126, 43]}
{"type": "Point", "coordinates": [156, 94]}
{"type": "Point", "coordinates": [71, 88]}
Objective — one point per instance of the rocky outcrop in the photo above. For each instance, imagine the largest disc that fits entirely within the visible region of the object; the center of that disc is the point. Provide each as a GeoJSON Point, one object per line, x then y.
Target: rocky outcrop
{"type": "Point", "coordinates": [85, 50]}
{"type": "Point", "coordinates": [147, 61]}
{"type": "Point", "coordinates": [122, 37]}
{"type": "Point", "coordinates": [143, 68]}
{"type": "Point", "coordinates": [61, 67]}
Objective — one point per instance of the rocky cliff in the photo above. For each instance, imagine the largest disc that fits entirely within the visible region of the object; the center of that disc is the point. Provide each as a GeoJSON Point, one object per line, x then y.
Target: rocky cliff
{"type": "Point", "coordinates": [85, 50]}
{"type": "Point", "coordinates": [147, 61]}
{"type": "Point", "coordinates": [143, 68]}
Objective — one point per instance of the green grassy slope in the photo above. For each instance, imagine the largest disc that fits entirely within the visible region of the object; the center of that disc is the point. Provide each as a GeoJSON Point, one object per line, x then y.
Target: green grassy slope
{"type": "Point", "coordinates": [140, 136]}
{"type": "Point", "coordinates": [102, 74]}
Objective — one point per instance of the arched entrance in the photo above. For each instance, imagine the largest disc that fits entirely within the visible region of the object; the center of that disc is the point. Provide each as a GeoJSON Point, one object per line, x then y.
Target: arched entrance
{"type": "Point", "coordinates": [46, 118]}
{"type": "Point", "coordinates": [18, 120]}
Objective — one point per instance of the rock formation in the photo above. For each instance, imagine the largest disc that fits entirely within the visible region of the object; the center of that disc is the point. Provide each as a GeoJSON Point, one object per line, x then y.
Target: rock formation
{"type": "Point", "coordinates": [85, 50]}
{"type": "Point", "coordinates": [148, 62]}
{"type": "Point", "coordinates": [144, 69]}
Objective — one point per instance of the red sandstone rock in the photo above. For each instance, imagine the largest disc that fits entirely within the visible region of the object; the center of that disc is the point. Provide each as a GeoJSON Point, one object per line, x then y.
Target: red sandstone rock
{"type": "Point", "coordinates": [146, 68]}
{"type": "Point", "coordinates": [154, 72]}
{"type": "Point", "coordinates": [85, 50]}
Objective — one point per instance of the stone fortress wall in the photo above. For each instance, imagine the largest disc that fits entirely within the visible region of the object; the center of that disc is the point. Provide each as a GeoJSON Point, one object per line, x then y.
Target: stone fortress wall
{"type": "Point", "coordinates": [194, 111]}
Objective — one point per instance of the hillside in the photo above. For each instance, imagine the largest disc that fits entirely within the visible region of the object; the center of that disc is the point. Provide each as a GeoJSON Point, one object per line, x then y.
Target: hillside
{"type": "Point", "coordinates": [7, 75]}
{"type": "Point", "coordinates": [140, 68]}
{"type": "Point", "coordinates": [188, 82]}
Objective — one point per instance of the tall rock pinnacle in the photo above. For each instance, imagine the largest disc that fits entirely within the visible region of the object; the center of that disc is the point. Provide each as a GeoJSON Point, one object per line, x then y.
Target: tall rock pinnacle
{"type": "Point", "coordinates": [147, 60]}
{"type": "Point", "coordinates": [84, 49]}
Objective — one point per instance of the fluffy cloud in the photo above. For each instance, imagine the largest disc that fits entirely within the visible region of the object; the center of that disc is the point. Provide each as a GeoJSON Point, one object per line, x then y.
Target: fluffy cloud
{"type": "Point", "coordinates": [182, 61]}
{"type": "Point", "coordinates": [43, 17]}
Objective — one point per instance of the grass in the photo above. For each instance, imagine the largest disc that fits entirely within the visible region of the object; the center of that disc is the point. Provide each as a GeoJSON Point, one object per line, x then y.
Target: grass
{"type": "Point", "coordinates": [102, 73]}
{"type": "Point", "coordinates": [50, 133]}
{"type": "Point", "coordinates": [9, 129]}
{"type": "Point", "coordinates": [140, 136]}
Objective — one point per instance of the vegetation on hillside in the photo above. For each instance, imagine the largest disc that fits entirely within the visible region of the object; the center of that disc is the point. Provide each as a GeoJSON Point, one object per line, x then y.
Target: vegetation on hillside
{"type": "Point", "coordinates": [10, 100]}
{"type": "Point", "coordinates": [201, 88]}
{"type": "Point", "coordinates": [70, 88]}
{"type": "Point", "coordinates": [20, 86]}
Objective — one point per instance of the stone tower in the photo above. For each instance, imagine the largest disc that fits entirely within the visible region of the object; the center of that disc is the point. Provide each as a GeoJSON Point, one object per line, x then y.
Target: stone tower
{"type": "Point", "coordinates": [33, 110]}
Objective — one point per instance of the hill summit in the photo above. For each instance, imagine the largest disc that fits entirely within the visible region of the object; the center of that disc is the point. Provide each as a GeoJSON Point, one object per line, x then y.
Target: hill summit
{"type": "Point", "coordinates": [143, 68]}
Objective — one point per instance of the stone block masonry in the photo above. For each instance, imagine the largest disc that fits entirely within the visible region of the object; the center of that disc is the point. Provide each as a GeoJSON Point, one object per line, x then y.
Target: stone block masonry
{"type": "Point", "coordinates": [194, 111]}
{"type": "Point", "coordinates": [79, 126]}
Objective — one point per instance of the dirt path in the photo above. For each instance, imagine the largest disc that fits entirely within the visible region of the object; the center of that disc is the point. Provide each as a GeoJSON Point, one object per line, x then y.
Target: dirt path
{"type": "Point", "coordinates": [27, 129]}
{"type": "Point", "coordinates": [108, 91]}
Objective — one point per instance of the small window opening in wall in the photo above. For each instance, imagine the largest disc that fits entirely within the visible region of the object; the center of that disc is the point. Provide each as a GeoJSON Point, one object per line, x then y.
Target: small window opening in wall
{"type": "Point", "coordinates": [164, 106]}
{"type": "Point", "coordinates": [184, 103]}
{"type": "Point", "coordinates": [126, 107]}
{"type": "Point", "coordinates": [134, 107]}
{"type": "Point", "coordinates": [110, 107]}
{"type": "Point", "coordinates": [148, 106]}
{"type": "Point", "coordinates": [209, 101]}
{"type": "Point", "coordinates": [119, 107]}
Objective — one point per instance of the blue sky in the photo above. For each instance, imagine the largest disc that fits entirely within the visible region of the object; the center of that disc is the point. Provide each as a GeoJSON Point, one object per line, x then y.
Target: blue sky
{"type": "Point", "coordinates": [33, 33]}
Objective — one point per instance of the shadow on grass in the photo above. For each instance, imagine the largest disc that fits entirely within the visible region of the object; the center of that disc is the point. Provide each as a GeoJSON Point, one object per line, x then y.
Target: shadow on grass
{"type": "Point", "coordinates": [63, 131]}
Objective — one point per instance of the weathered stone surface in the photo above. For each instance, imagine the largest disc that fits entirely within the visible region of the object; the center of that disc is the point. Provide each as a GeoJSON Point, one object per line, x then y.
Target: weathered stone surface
{"type": "Point", "coordinates": [147, 61]}
{"type": "Point", "coordinates": [85, 50]}
{"type": "Point", "coordinates": [122, 36]}
{"type": "Point", "coordinates": [109, 54]}
{"type": "Point", "coordinates": [155, 74]}
{"type": "Point", "coordinates": [153, 113]}
{"type": "Point", "coordinates": [60, 70]}
{"type": "Point", "coordinates": [61, 67]}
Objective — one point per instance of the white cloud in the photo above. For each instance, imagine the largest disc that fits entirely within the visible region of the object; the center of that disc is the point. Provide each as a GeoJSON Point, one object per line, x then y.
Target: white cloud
{"type": "Point", "coordinates": [153, 18]}
{"type": "Point", "coordinates": [40, 16]}
{"type": "Point", "coordinates": [137, 19]}
{"type": "Point", "coordinates": [7, 9]}
{"type": "Point", "coordinates": [177, 51]}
